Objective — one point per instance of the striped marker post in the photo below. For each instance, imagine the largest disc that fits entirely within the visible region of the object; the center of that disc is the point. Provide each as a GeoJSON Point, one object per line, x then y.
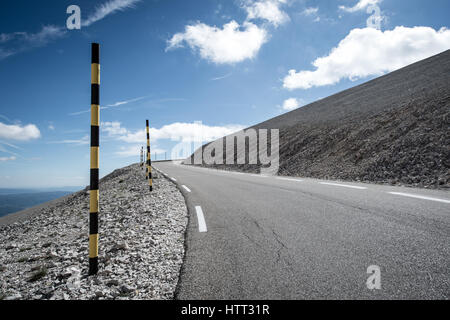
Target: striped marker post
{"type": "Point", "coordinates": [149, 160]}
{"type": "Point", "coordinates": [95, 143]}
{"type": "Point", "coordinates": [142, 157]}
{"type": "Point", "coordinates": [146, 166]}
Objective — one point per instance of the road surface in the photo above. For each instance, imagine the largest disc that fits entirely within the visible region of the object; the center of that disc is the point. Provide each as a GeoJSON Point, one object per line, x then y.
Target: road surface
{"type": "Point", "coordinates": [260, 237]}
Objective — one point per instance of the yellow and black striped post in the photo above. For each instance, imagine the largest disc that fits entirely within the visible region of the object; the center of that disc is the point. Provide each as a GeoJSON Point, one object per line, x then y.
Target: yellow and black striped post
{"type": "Point", "coordinates": [146, 166]}
{"type": "Point", "coordinates": [95, 143]}
{"type": "Point", "coordinates": [149, 160]}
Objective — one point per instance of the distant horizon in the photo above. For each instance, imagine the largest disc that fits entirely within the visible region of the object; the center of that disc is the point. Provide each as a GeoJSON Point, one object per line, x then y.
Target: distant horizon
{"type": "Point", "coordinates": [40, 189]}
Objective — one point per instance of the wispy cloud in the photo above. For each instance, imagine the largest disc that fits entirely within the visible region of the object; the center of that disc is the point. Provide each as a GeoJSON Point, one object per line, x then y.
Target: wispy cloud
{"type": "Point", "coordinates": [222, 77]}
{"type": "Point", "coordinates": [83, 141]}
{"type": "Point", "coordinates": [119, 103]}
{"type": "Point", "coordinates": [8, 158]}
{"type": "Point", "coordinates": [310, 11]}
{"type": "Point", "coordinates": [16, 42]}
{"type": "Point", "coordinates": [5, 118]}
{"type": "Point", "coordinates": [108, 8]}
{"type": "Point", "coordinates": [113, 105]}
{"type": "Point", "coordinates": [13, 43]}
{"type": "Point", "coordinates": [10, 145]}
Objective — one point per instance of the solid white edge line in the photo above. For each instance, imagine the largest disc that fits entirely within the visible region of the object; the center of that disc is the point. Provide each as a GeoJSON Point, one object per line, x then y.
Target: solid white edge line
{"type": "Point", "coordinates": [343, 185]}
{"type": "Point", "coordinates": [201, 219]}
{"type": "Point", "coordinates": [419, 197]}
{"type": "Point", "coordinates": [186, 188]}
{"type": "Point", "coordinates": [289, 179]}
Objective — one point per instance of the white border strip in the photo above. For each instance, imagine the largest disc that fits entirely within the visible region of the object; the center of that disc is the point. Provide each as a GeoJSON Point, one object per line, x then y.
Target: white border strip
{"type": "Point", "coordinates": [186, 188]}
{"type": "Point", "coordinates": [343, 185]}
{"type": "Point", "coordinates": [419, 197]}
{"type": "Point", "coordinates": [289, 179]}
{"type": "Point", "coordinates": [200, 219]}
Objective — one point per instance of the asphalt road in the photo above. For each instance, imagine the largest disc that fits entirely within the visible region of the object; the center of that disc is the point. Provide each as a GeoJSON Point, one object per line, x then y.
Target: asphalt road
{"type": "Point", "coordinates": [280, 238]}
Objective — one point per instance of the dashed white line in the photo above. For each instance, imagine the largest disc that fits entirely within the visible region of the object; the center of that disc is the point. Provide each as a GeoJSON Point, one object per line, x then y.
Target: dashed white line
{"type": "Point", "coordinates": [419, 197]}
{"type": "Point", "coordinates": [173, 179]}
{"type": "Point", "coordinates": [343, 185]}
{"type": "Point", "coordinates": [186, 188]}
{"type": "Point", "coordinates": [200, 219]}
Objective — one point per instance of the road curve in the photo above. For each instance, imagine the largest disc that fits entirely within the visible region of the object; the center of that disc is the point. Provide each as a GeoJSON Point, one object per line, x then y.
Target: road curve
{"type": "Point", "coordinates": [291, 238]}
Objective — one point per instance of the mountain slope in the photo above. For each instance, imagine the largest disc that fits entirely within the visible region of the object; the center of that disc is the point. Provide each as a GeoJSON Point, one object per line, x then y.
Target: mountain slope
{"type": "Point", "coordinates": [393, 129]}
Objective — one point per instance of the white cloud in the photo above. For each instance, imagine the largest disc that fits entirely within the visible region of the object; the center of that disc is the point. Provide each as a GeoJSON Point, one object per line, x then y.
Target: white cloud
{"type": "Point", "coordinates": [113, 128]}
{"type": "Point", "coordinates": [51, 127]}
{"type": "Point", "coordinates": [361, 5]}
{"type": "Point", "coordinates": [233, 43]}
{"type": "Point", "coordinates": [176, 131]}
{"type": "Point", "coordinates": [8, 158]}
{"type": "Point", "coordinates": [267, 10]}
{"type": "Point", "coordinates": [291, 104]}
{"type": "Point", "coordinates": [18, 132]}
{"type": "Point", "coordinates": [310, 11]}
{"type": "Point", "coordinates": [108, 8]}
{"type": "Point", "coordinates": [370, 52]}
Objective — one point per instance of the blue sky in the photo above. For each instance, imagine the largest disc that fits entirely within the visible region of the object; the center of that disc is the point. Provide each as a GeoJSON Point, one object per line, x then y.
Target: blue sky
{"type": "Point", "coordinates": [228, 64]}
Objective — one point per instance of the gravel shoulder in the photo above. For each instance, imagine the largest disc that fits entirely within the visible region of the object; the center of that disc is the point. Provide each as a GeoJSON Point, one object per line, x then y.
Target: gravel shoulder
{"type": "Point", "coordinates": [44, 250]}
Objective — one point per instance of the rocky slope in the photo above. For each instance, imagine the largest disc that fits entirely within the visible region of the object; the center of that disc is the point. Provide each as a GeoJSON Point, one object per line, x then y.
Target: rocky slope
{"type": "Point", "coordinates": [393, 129]}
{"type": "Point", "coordinates": [141, 244]}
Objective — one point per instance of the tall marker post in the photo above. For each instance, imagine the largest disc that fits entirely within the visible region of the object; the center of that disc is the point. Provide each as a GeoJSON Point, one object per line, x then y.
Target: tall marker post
{"type": "Point", "coordinates": [149, 160]}
{"type": "Point", "coordinates": [146, 166]}
{"type": "Point", "coordinates": [95, 144]}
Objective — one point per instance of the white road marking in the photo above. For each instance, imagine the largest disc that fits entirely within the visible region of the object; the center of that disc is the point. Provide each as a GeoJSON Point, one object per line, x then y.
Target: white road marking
{"type": "Point", "coordinates": [258, 175]}
{"type": "Point", "coordinates": [186, 188]}
{"type": "Point", "coordinates": [419, 197]}
{"type": "Point", "coordinates": [200, 219]}
{"type": "Point", "coordinates": [343, 185]}
{"type": "Point", "coordinates": [289, 179]}
{"type": "Point", "coordinates": [173, 179]}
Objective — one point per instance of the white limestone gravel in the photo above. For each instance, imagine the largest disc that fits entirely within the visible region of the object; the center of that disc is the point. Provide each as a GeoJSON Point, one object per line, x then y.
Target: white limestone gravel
{"type": "Point", "coordinates": [141, 245]}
